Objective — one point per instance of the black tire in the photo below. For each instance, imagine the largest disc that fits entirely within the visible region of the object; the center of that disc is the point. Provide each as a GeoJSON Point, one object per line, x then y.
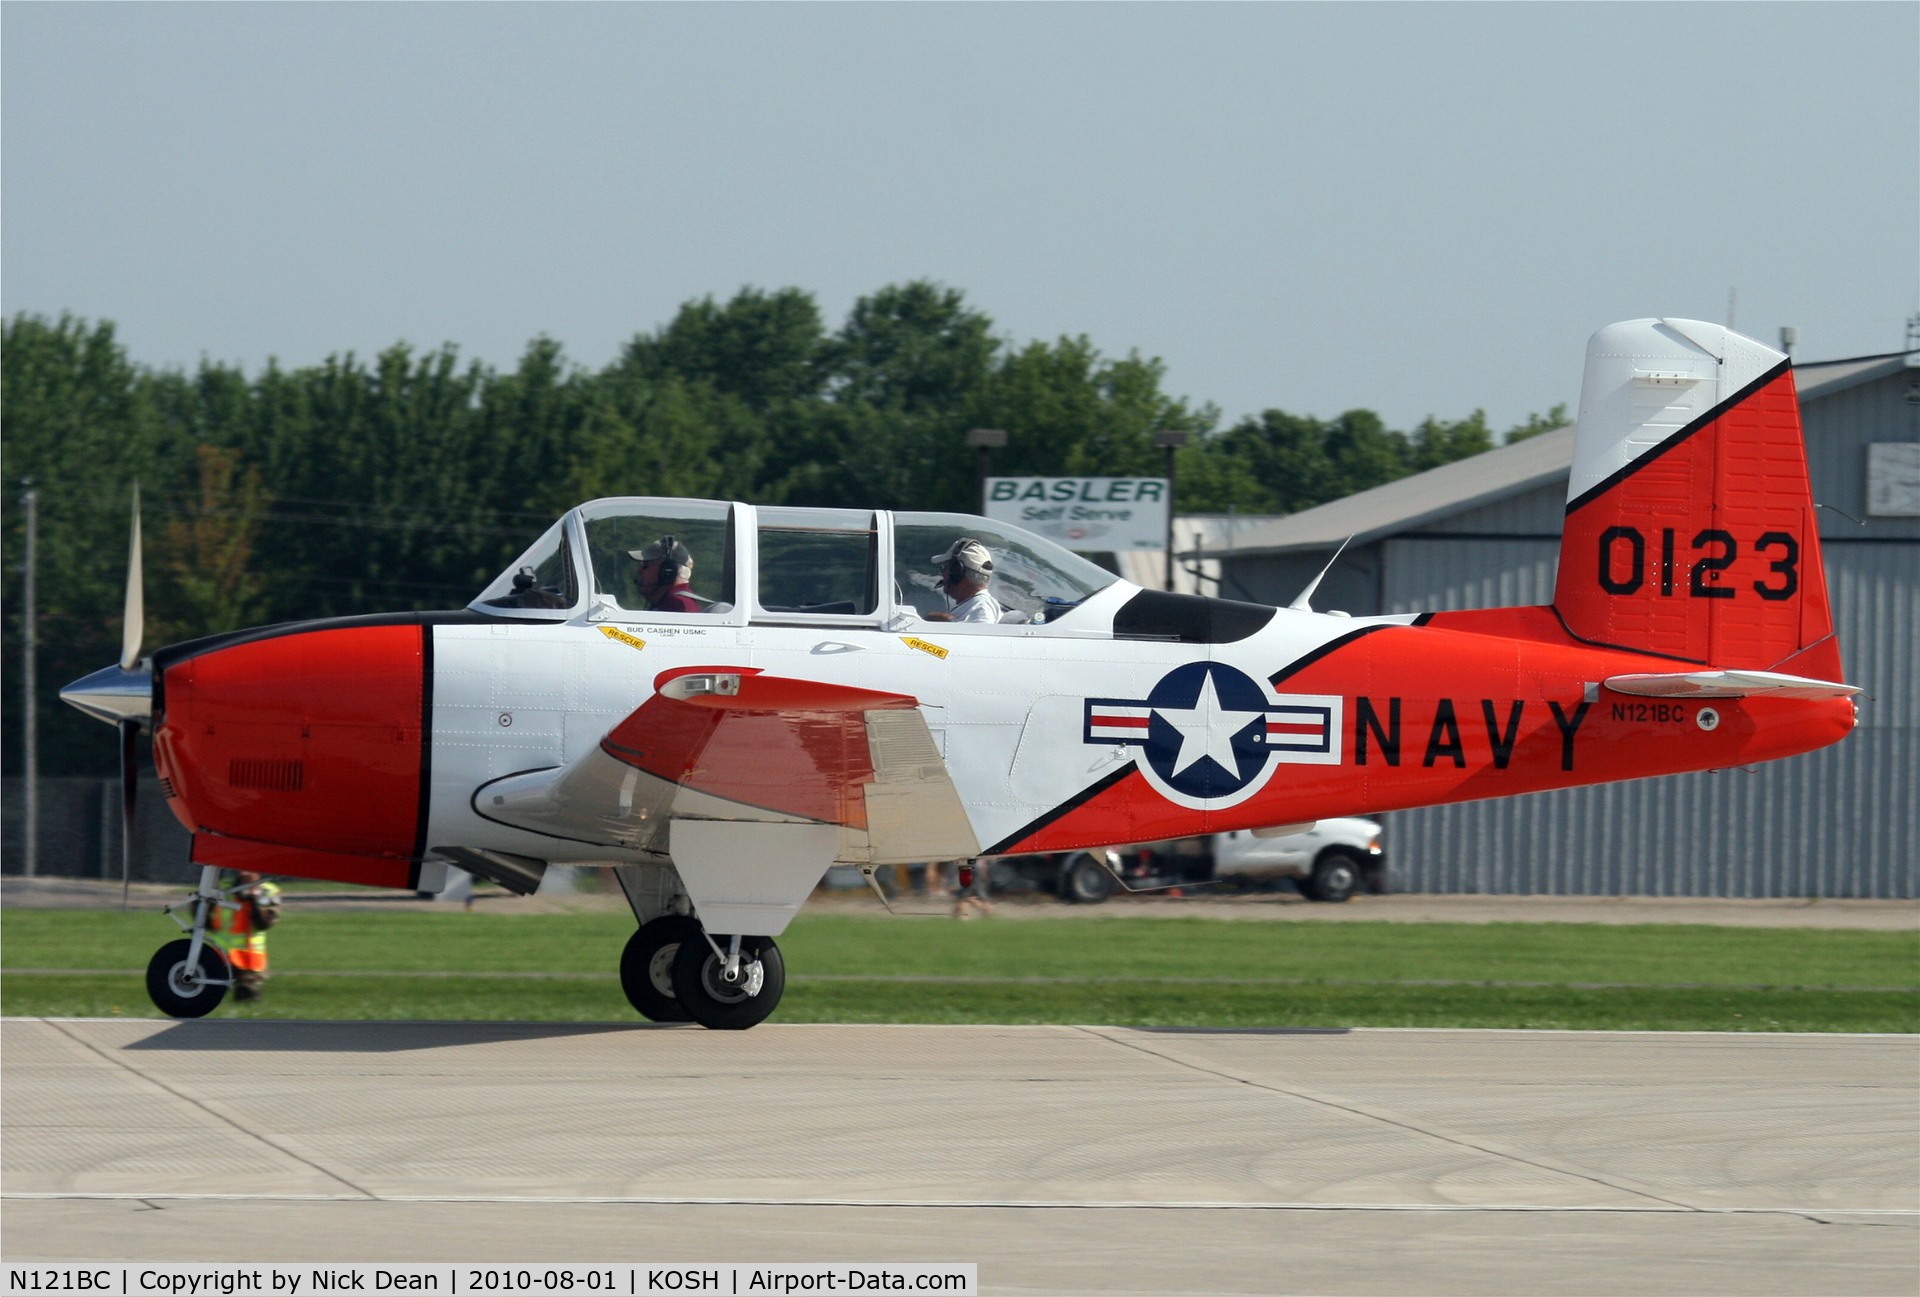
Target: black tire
{"type": "Point", "coordinates": [710, 1001]}
{"type": "Point", "coordinates": [181, 991]}
{"type": "Point", "coordinates": [1336, 877]}
{"type": "Point", "coordinates": [1084, 880]}
{"type": "Point", "coordinates": [646, 967]}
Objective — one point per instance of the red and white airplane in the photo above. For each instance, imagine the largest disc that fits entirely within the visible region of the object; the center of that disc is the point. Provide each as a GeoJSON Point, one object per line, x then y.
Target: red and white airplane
{"type": "Point", "coordinates": [805, 707]}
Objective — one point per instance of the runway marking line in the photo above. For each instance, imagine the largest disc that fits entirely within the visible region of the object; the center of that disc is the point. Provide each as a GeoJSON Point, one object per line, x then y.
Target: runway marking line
{"type": "Point", "coordinates": [538, 1024]}
{"type": "Point", "coordinates": [211, 1109]}
{"type": "Point", "coordinates": [970, 1204]}
{"type": "Point", "coordinates": [1400, 1121]}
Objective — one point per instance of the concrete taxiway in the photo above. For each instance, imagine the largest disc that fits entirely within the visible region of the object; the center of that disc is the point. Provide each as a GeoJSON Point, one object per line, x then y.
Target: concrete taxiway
{"type": "Point", "coordinates": [1096, 1160]}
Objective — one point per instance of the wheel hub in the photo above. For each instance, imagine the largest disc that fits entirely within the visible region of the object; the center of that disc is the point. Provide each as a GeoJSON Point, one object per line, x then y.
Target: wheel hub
{"type": "Point", "coordinates": [747, 983]}
{"type": "Point", "coordinates": [186, 980]}
{"type": "Point", "coordinates": [660, 968]}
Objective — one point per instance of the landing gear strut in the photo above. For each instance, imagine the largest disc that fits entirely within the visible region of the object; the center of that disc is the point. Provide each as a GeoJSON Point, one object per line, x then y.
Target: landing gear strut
{"type": "Point", "coordinates": [188, 978]}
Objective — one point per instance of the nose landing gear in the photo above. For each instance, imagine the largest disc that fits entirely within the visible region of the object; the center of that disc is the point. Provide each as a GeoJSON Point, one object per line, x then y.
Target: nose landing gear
{"type": "Point", "coordinates": [189, 977]}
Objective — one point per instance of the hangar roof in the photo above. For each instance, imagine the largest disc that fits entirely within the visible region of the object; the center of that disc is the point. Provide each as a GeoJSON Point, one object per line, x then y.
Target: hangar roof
{"type": "Point", "coordinates": [1411, 502]}
{"type": "Point", "coordinates": [1825, 377]}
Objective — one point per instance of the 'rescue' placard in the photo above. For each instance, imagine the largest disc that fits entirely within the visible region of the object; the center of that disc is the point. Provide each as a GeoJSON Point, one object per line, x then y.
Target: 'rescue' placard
{"type": "Point", "coordinates": [1090, 514]}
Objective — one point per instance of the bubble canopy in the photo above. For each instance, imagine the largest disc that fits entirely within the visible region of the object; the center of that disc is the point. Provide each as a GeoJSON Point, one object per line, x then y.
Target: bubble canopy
{"type": "Point", "coordinates": [649, 559]}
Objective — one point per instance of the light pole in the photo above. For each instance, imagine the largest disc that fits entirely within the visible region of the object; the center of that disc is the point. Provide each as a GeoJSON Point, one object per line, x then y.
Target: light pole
{"type": "Point", "coordinates": [29, 716]}
{"type": "Point", "coordinates": [984, 440]}
{"type": "Point", "coordinates": [1172, 439]}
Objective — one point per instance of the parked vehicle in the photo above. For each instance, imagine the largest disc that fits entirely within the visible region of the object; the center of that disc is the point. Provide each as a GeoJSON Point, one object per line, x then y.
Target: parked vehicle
{"type": "Point", "coordinates": [1328, 862]}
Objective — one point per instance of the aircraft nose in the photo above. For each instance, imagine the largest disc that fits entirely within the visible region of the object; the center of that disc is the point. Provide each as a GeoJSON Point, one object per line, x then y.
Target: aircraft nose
{"type": "Point", "coordinates": [114, 694]}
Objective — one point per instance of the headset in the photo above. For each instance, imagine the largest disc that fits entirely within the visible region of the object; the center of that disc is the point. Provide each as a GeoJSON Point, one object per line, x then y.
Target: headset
{"type": "Point", "coordinates": [669, 566]}
{"type": "Point", "coordinates": [954, 571]}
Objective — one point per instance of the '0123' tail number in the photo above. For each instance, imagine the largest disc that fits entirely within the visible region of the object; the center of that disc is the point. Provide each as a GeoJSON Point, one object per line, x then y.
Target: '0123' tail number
{"type": "Point", "coordinates": [1623, 563]}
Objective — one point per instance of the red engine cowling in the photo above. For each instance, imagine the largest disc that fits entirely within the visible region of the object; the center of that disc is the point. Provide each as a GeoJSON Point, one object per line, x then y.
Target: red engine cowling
{"type": "Point", "coordinates": [301, 753]}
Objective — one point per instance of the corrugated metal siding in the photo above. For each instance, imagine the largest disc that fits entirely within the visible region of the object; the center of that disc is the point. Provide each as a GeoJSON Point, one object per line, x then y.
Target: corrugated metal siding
{"type": "Point", "coordinates": [1445, 575]}
{"type": "Point", "coordinates": [1838, 430]}
{"type": "Point", "coordinates": [1875, 589]}
{"type": "Point", "coordinates": [1839, 822]}
{"type": "Point", "coordinates": [1844, 821]}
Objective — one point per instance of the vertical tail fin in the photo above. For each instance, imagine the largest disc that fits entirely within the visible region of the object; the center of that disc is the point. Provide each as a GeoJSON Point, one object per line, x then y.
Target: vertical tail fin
{"type": "Point", "coordinates": [1690, 528]}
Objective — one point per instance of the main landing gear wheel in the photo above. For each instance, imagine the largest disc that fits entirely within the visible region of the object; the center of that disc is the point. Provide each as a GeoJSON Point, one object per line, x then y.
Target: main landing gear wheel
{"type": "Point", "coordinates": [646, 966]}
{"type": "Point", "coordinates": [182, 990]}
{"type": "Point", "coordinates": [701, 986]}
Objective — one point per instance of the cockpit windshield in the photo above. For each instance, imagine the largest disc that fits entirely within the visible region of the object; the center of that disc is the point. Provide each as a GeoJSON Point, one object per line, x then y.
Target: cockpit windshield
{"type": "Point", "coordinates": [541, 578]}
{"type": "Point", "coordinates": [1034, 580]}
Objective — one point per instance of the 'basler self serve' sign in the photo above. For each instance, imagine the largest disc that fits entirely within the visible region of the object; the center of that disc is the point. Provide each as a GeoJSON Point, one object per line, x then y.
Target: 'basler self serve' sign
{"type": "Point", "coordinates": [1089, 514]}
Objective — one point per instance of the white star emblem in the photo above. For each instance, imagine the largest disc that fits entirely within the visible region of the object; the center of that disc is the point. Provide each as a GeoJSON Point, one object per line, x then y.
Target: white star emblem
{"type": "Point", "coordinates": [1206, 730]}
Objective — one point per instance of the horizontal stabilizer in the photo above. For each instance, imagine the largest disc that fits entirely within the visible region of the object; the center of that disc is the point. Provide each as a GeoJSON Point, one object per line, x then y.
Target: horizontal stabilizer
{"type": "Point", "coordinates": [1727, 684]}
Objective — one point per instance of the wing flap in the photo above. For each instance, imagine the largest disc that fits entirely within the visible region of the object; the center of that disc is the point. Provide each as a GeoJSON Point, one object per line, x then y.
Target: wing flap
{"type": "Point", "coordinates": [732, 744]}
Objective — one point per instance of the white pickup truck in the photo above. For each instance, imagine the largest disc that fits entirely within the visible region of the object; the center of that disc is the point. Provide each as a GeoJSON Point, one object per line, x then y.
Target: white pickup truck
{"type": "Point", "coordinates": [1328, 862]}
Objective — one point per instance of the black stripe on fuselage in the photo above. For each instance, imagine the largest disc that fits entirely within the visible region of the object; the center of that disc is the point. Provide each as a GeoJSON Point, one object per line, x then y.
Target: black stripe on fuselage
{"type": "Point", "coordinates": [426, 756]}
{"type": "Point", "coordinates": [1573, 634]}
{"type": "Point", "coordinates": [1072, 804]}
{"type": "Point", "coordinates": [1301, 663]}
{"type": "Point", "coordinates": [1626, 471]}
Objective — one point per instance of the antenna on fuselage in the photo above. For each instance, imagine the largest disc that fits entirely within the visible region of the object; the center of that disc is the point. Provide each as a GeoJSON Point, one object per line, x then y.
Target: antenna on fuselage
{"type": "Point", "coordinates": [1300, 603]}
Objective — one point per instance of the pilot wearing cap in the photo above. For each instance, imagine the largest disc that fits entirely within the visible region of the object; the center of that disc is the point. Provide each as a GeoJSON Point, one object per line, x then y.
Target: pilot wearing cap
{"type": "Point", "coordinates": [965, 570]}
{"type": "Point", "coordinates": [665, 568]}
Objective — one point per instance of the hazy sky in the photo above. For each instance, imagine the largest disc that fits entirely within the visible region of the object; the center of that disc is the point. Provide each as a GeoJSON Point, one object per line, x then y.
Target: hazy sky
{"type": "Point", "coordinates": [1417, 208]}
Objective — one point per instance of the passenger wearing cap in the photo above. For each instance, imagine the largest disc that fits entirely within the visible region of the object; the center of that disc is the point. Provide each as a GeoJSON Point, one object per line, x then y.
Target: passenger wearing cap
{"type": "Point", "coordinates": [664, 571]}
{"type": "Point", "coordinates": [965, 570]}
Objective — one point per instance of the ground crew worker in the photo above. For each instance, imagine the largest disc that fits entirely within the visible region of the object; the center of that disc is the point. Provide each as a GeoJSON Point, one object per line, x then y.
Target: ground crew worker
{"type": "Point", "coordinates": [246, 929]}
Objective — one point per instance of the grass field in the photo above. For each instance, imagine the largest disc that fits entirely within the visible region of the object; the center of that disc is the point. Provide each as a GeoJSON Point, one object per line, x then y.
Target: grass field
{"type": "Point", "coordinates": [1121, 971]}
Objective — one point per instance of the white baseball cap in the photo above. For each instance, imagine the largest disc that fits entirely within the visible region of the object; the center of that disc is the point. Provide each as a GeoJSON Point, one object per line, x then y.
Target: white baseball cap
{"type": "Point", "coordinates": [972, 555]}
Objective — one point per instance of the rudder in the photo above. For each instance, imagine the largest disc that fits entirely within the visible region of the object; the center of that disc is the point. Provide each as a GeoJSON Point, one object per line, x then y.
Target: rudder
{"type": "Point", "coordinates": [1690, 528]}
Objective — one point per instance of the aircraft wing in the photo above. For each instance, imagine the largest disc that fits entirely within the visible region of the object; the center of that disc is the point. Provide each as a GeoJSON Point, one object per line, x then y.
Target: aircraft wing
{"type": "Point", "coordinates": [734, 745]}
{"type": "Point", "coordinates": [1727, 684]}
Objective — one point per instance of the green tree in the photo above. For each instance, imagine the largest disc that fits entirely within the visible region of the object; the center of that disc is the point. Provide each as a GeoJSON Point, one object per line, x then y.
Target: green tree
{"type": "Point", "coordinates": [201, 576]}
{"type": "Point", "coordinates": [1436, 441]}
{"type": "Point", "coordinates": [1538, 423]}
{"type": "Point", "coordinates": [1363, 452]}
{"type": "Point", "coordinates": [910, 347]}
{"type": "Point", "coordinates": [1285, 458]}
{"type": "Point", "coordinates": [764, 348]}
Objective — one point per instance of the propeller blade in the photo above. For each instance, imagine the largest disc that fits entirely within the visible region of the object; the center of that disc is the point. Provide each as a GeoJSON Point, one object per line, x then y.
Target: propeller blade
{"type": "Point", "coordinates": [129, 789]}
{"type": "Point", "coordinates": [134, 626]}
